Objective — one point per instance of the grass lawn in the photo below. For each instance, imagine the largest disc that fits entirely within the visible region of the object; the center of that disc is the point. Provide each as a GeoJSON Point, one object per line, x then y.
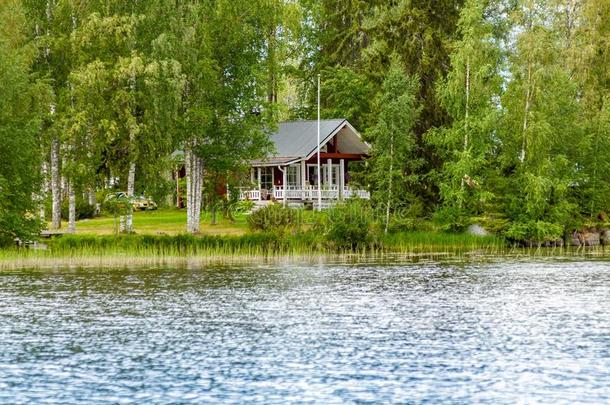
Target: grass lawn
{"type": "Point", "coordinates": [162, 221]}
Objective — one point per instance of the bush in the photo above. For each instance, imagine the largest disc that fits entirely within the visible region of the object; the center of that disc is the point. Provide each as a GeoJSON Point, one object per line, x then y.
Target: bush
{"type": "Point", "coordinates": [348, 226]}
{"type": "Point", "coordinates": [401, 224]}
{"type": "Point", "coordinates": [83, 209]}
{"type": "Point", "coordinates": [273, 218]}
{"type": "Point", "coordinates": [537, 231]}
{"type": "Point", "coordinates": [452, 219]}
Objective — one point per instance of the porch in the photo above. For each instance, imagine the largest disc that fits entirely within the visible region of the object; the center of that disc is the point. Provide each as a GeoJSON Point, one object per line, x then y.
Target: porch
{"type": "Point", "coordinates": [298, 180]}
{"type": "Point", "coordinates": [308, 193]}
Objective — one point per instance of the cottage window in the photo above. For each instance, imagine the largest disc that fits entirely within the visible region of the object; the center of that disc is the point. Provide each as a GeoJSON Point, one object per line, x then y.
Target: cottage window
{"type": "Point", "coordinates": [267, 178]}
{"type": "Point", "coordinates": [292, 176]}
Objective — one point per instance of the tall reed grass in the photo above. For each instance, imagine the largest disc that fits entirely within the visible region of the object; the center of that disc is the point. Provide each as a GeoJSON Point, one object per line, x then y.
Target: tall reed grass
{"type": "Point", "coordinates": [104, 251]}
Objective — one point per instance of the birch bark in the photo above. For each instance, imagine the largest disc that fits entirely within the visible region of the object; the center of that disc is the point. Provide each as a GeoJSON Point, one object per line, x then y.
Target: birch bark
{"type": "Point", "coordinates": [189, 187]}
{"type": "Point", "coordinates": [55, 185]}
{"type": "Point", "coordinates": [71, 207]}
{"type": "Point", "coordinates": [131, 179]}
{"type": "Point", "coordinates": [391, 173]}
{"type": "Point", "coordinates": [194, 189]}
{"type": "Point", "coordinates": [526, 112]}
{"type": "Point", "coordinates": [44, 189]}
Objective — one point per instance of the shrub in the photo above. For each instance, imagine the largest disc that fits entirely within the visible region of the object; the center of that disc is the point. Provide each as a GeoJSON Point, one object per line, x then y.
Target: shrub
{"type": "Point", "coordinates": [244, 206]}
{"type": "Point", "coordinates": [348, 226]}
{"type": "Point", "coordinates": [452, 219]}
{"type": "Point", "coordinates": [83, 209]}
{"type": "Point", "coordinates": [273, 218]}
{"type": "Point", "coordinates": [401, 224]}
{"type": "Point", "coordinates": [537, 231]}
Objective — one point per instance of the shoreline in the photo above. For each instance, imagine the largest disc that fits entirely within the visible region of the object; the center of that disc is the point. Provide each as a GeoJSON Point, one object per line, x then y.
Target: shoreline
{"type": "Point", "coordinates": [116, 259]}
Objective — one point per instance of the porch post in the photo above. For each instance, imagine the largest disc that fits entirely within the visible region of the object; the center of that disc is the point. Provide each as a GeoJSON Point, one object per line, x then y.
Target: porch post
{"type": "Point", "coordinates": [303, 179]}
{"type": "Point", "coordinates": [341, 178]}
{"type": "Point", "coordinates": [260, 197]}
{"type": "Point", "coordinates": [329, 173]}
{"type": "Point", "coordinates": [284, 170]}
{"type": "Point", "coordinates": [252, 175]}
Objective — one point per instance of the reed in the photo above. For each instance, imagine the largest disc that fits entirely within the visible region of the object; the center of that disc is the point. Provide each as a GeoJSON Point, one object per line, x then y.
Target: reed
{"type": "Point", "coordinates": [188, 250]}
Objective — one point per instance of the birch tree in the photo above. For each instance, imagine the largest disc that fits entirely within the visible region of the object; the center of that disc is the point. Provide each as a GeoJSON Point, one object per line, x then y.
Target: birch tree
{"type": "Point", "coordinates": [394, 159]}
{"type": "Point", "coordinates": [540, 130]}
{"type": "Point", "coordinates": [590, 51]}
{"type": "Point", "coordinates": [23, 103]}
{"type": "Point", "coordinates": [470, 94]}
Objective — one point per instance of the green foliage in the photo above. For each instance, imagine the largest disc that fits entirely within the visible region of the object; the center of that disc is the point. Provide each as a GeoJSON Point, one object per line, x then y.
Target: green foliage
{"type": "Point", "coordinates": [536, 231]}
{"type": "Point", "coordinates": [394, 158]}
{"type": "Point", "coordinates": [473, 108]}
{"type": "Point", "coordinates": [83, 209]}
{"type": "Point", "coordinates": [452, 218]}
{"type": "Point", "coordinates": [347, 226]}
{"type": "Point", "coordinates": [21, 96]}
{"type": "Point", "coordinates": [273, 218]}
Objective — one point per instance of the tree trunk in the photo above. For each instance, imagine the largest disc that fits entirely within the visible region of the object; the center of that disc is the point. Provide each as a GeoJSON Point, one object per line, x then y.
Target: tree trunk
{"type": "Point", "coordinates": [91, 197]}
{"type": "Point", "coordinates": [71, 207]}
{"type": "Point", "coordinates": [391, 174]}
{"type": "Point", "coordinates": [467, 112]}
{"type": "Point", "coordinates": [198, 193]}
{"type": "Point", "coordinates": [177, 188]}
{"type": "Point", "coordinates": [55, 185]}
{"type": "Point", "coordinates": [194, 185]}
{"type": "Point", "coordinates": [528, 94]}
{"type": "Point", "coordinates": [131, 179]}
{"type": "Point", "coordinates": [189, 187]}
{"type": "Point", "coordinates": [44, 189]}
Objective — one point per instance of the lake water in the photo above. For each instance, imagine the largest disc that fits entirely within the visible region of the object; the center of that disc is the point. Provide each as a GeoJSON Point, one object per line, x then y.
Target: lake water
{"type": "Point", "coordinates": [495, 332]}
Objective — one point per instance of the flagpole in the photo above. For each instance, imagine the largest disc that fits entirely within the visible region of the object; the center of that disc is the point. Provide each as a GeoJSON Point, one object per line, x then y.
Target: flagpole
{"type": "Point", "coordinates": [319, 171]}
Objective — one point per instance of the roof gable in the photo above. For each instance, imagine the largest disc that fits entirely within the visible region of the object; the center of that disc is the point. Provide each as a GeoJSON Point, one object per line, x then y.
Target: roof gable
{"type": "Point", "coordinates": [299, 138]}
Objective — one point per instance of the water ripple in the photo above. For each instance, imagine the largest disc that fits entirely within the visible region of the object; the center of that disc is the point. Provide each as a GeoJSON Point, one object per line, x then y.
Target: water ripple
{"type": "Point", "coordinates": [523, 331]}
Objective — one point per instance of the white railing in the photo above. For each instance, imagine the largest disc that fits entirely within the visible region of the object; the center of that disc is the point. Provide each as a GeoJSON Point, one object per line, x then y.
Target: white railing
{"type": "Point", "coordinates": [305, 194]}
{"type": "Point", "coordinates": [254, 195]}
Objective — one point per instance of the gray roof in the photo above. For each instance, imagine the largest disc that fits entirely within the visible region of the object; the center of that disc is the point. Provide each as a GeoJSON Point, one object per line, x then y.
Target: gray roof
{"type": "Point", "coordinates": [298, 139]}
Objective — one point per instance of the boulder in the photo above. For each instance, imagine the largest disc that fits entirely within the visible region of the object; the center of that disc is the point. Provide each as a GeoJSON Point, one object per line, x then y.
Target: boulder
{"type": "Point", "coordinates": [477, 230]}
{"type": "Point", "coordinates": [604, 237]}
{"type": "Point", "coordinates": [591, 239]}
{"type": "Point", "coordinates": [576, 239]}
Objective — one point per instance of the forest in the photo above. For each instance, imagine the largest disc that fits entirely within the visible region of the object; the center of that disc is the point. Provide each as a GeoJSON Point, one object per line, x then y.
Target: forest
{"type": "Point", "coordinates": [494, 112]}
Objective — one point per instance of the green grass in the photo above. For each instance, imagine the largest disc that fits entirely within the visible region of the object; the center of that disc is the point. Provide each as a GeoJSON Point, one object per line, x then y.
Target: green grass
{"type": "Point", "coordinates": [162, 221]}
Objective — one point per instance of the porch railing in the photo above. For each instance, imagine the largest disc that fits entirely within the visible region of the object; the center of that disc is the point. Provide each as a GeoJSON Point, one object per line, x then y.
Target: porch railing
{"type": "Point", "coordinates": [305, 194]}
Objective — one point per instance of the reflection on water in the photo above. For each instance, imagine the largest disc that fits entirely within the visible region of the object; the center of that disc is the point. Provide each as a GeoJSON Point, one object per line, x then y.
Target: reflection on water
{"type": "Point", "coordinates": [325, 333]}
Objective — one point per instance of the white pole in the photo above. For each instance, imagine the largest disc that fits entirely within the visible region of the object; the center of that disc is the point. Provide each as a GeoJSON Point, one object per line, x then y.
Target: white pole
{"type": "Point", "coordinates": [319, 171]}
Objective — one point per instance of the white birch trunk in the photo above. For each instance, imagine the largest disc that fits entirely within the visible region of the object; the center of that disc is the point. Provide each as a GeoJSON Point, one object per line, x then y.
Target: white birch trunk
{"type": "Point", "coordinates": [189, 186]}
{"type": "Point", "coordinates": [198, 175]}
{"type": "Point", "coordinates": [131, 176]}
{"type": "Point", "coordinates": [55, 185]}
{"type": "Point", "coordinates": [44, 172]}
{"type": "Point", "coordinates": [391, 174]}
{"type": "Point", "coordinates": [177, 188]}
{"type": "Point", "coordinates": [131, 179]}
{"type": "Point", "coordinates": [467, 104]}
{"type": "Point", "coordinates": [71, 208]}
{"type": "Point", "coordinates": [194, 189]}
{"type": "Point", "coordinates": [528, 95]}
{"type": "Point", "coordinates": [91, 196]}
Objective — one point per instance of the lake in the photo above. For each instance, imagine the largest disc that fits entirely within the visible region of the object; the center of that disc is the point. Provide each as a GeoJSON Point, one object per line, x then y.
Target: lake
{"type": "Point", "coordinates": [500, 331]}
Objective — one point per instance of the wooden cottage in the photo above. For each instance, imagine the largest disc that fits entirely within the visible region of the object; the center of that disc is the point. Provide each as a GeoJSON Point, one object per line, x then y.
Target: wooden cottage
{"type": "Point", "coordinates": [290, 175]}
